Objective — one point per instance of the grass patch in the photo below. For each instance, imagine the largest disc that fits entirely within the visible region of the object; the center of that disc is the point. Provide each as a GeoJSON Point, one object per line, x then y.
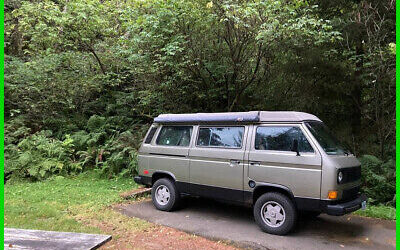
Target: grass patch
{"type": "Point", "coordinates": [66, 204]}
{"type": "Point", "coordinates": [380, 211]}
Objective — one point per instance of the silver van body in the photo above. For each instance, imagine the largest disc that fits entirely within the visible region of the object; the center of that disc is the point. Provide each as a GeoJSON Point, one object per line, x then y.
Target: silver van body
{"type": "Point", "coordinates": [240, 156]}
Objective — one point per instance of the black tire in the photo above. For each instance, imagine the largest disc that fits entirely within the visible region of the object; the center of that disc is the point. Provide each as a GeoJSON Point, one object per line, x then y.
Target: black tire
{"type": "Point", "coordinates": [290, 213]}
{"type": "Point", "coordinates": [174, 197]}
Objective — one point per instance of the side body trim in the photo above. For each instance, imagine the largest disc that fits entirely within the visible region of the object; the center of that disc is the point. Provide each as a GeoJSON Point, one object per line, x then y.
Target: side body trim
{"type": "Point", "coordinates": [174, 155]}
{"type": "Point", "coordinates": [220, 193]}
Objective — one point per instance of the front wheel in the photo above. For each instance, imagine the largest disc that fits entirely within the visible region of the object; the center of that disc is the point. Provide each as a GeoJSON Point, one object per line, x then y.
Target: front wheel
{"type": "Point", "coordinates": [165, 195]}
{"type": "Point", "coordinates": [275, 213]}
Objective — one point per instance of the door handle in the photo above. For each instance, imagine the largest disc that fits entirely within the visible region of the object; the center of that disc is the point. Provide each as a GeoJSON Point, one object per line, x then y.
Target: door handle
{"type": "Point", "coordinates": [234, 162]}
{"type": "Point", "coordinates": [255, 163]}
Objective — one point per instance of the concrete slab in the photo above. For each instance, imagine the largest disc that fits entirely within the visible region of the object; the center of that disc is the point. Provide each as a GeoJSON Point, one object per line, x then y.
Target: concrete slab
{"type": "Point", "coordinates": [37, 239]}
{"type": "Point", "coordinates": [136, 193]}
{"type": "Point", "coordinates": [220, 221]}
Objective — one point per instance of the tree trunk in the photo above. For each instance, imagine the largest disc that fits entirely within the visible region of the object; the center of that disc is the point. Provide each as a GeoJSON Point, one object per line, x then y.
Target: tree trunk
{"type": "Point", "coordinates": [98, 61]}
{"type": "Point", "coordinates": [356, 95]}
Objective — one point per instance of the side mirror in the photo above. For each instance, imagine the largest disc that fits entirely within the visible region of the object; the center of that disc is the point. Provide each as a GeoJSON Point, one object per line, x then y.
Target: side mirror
{"type": "Point", "coordinates": [295, 147]}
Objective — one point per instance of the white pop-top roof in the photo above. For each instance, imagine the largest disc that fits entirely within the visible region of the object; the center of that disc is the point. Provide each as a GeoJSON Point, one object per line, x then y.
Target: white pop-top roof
{"type": "Point", "coordinates": [248, 117]}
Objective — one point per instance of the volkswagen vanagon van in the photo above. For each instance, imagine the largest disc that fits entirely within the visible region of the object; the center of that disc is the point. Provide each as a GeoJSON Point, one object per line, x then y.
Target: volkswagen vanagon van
{"type": "Point", "coordinates": [280, 163]}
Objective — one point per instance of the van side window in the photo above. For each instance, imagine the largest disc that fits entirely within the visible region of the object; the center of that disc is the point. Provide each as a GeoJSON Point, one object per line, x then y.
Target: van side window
{"type": "Point", "coordinates": [225, 137]}
{"type": "Point", "coordinates": [174, 136]}
{"type": "Point", "coordinates": [280, 138]}
{"type": "Point", "coordinates": [150, 135]}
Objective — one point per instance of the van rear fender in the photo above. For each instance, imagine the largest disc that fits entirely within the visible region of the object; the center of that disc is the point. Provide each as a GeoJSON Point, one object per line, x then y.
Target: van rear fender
{"type": "Point", "coordinates": [182, 187]}
{"type": "Point", "coordinates": [162, 174]}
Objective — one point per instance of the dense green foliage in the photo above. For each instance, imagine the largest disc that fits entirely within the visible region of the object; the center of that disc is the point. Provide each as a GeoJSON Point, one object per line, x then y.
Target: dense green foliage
{"type": "Point", "coordinates": [84, 79]}
{"type": "Point", "coordinates": [99, 145]}
{"type": "Point", "coordinates": [379, 179]}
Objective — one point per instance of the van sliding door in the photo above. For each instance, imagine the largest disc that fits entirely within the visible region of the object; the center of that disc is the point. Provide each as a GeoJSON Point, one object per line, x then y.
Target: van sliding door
{"type": "Point", "coordinates": [217, 162]}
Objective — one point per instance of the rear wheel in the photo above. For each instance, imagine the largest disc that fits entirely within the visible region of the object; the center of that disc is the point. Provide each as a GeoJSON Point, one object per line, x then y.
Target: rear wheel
{"type": "Point", "coordinates": [275, 213]}
{"type": "Point", "coordinates": [165, 195]}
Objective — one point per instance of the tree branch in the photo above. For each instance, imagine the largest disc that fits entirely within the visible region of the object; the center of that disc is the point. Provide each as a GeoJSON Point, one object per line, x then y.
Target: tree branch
{"type": "Point", "coordinates": [98, 60]}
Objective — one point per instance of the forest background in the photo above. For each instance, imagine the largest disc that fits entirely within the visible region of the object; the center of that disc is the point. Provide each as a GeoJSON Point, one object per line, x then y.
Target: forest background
{"type": "Point", "coordinates": [84, 79]}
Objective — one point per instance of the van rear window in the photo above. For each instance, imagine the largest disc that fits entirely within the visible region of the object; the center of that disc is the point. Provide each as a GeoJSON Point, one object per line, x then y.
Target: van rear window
{"type": "Point", "coordinates": [225, 137]}
{"type": "Point", "coordinates": [174, 136]}
{"type": "Point", "coordinates": [150, 135]}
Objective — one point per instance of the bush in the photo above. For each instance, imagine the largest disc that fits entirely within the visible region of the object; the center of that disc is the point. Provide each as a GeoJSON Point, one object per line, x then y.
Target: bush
{"type": "Point", "coordinates": [119, 156]}
{"type": "Point", "coordinates": [100, 146]}
{"type": "Point", "coordinates": [379, 179]}
{"type": "Point", "coordinates": [39, 156]}
{"type": "Point", "coordinates": [107, 149]}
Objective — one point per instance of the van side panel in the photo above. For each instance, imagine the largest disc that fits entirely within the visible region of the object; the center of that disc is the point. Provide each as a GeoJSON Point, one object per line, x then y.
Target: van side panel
{"type": "Point", "coordinates": [213, 167]}
{"type": "Point", "coordinates": [167, 159]}
{"type": "Point", "coordinates": [300, 174]}
{"type": "Point", "coordinates": [171, 160]}
{"type": "Point", "coordinates": [143, 163]}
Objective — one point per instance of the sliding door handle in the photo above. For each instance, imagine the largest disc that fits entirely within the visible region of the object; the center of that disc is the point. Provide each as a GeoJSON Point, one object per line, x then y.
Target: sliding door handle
{"type": "Point", "coordinates": [234, 163]}
{"type": "Point", "coordinates": [255, 163]}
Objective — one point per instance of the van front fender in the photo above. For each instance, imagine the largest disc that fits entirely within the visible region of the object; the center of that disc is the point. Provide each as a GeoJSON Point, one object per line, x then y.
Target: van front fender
{"type": "Point", "coordinates": [263, 187]}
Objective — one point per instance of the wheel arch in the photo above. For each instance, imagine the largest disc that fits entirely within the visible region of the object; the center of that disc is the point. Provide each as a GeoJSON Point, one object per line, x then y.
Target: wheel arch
{"type": "Point", "coordinates": [162, 174]}
{"type": "Point", "coordinates": [262, 188]}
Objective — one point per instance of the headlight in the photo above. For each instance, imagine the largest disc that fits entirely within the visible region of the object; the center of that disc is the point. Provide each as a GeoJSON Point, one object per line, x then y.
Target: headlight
{"type": "Point", "coordinates": [340, 177]}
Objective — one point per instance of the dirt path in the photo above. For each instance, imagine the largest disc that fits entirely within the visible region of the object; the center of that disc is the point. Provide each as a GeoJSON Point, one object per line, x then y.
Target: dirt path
{"type": "Point", "coordinates": [134, 233]}
{"type": "Point", "coordinates": [162, 237]}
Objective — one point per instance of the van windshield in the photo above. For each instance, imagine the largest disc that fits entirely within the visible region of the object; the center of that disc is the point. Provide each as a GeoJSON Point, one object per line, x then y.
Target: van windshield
{"type": "Point", "coordinates": [326, 139]}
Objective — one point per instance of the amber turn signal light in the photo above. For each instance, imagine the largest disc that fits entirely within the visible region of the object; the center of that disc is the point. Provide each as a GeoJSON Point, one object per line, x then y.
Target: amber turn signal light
{"type": "Point", "coordinates": [332, 195]}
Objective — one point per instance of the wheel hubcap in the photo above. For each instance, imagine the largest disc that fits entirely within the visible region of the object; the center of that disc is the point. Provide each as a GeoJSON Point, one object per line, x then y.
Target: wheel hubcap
{"type": "Point", "coordinates": [162, 195]}
{"type": "Point", "coordinates": [273, 214]}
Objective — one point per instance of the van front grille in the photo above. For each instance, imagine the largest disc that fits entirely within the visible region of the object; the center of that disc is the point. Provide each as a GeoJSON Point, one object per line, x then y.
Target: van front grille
{"type": "Point", "coordinates": [351, 174]}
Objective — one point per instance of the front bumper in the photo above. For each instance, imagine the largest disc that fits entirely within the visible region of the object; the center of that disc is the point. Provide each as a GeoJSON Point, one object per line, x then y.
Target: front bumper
{"type": "Point", "coordinates": [346, 207]}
